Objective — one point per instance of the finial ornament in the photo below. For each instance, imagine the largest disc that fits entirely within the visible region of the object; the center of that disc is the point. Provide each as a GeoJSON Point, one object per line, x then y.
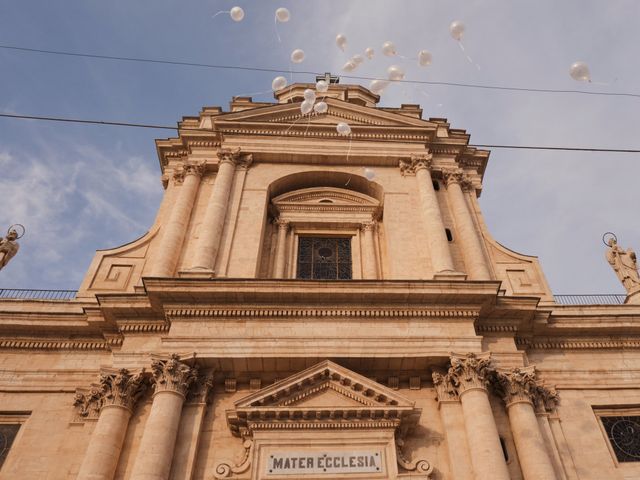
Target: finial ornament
{"type": "Point", "coordinates": [8, 245]}
{"type": "Point", "coordinates": [624, 263]}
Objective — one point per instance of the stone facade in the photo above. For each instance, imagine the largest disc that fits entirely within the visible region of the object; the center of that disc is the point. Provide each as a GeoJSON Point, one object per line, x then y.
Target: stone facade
{"type": "Point", "coordinates": [288, 317]}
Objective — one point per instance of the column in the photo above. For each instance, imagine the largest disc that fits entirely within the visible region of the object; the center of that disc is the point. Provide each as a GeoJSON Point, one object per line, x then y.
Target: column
{"type": "Point", "coordinates": [469, 374]}
{"type": "Point", "coordinates": [173, 231]}
{"type": "Point", "coordinates": [517, 388]}
{"type": "Point", "coordinates": [216, 212]}
{"type": "Point", "coordinates": [441, 259]}
{"type": "Point", "coordinates": [475, 261]}
{"type": "Point", "coordinates": [155, 454]}
{"type": "Point", "coordinates": [281, 248]}
{"type": "Point", "coordinates": [190, 428]}
{"type": "Point", "coordinates": [119, 393]}
{"type": "Point", "coordinates": [369, 263]}
{"type": "Point", "coordinates": [452, 421]}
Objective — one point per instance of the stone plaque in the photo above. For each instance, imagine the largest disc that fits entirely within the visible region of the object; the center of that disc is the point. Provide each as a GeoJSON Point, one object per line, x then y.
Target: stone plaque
{"type": "Point", "coordinates": [324, 462]}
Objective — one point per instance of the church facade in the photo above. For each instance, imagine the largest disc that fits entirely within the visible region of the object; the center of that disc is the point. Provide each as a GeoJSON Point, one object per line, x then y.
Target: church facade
{"type": "Point", "coordinates": [311, 304]}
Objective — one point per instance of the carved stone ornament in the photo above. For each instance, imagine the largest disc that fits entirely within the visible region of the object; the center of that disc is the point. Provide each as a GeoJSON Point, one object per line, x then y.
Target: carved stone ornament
{"type": "Point", "coordinates": [192, 168]}
{"type": "Point", "coordinates": [624, 264]}
{"type": "Point", "coordinates": [8, 247]}
{"type": "Point", "coordinates": [282, 223]}
{"type": "Point", "coordinates": [173, 375]}
{"type": "Point", "coordinates": [545, 399]}
{"type": "Point", "coordinates": [422, 467]}
{"type": "Point", "coordinates": [200, 390]}
{"type": "Point", "coordinates": [416, 162]}
{"type": "Point", "coordinates": [470, 371]}
{"type": "Point", "coordinates": [88, 403]}
{"type": "Point", "coordinates": [368, 226]}
{"type": "Point", "coordinates": [235, 156]}
{"type": "Point", "coordinates": [516, 385]}
{"type": "Point", "coordinates": [228, 469]}
{"type": "Point", "coordinates": [445, 389]}
{"type": "Point", "coordinates": [122, 387]}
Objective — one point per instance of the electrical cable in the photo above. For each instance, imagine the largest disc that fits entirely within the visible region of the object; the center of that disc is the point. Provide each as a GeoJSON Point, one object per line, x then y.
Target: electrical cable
{"type": "Point", "coordinates": [284, 133]}
{"type": "Point", "coordinates": [306, 72]}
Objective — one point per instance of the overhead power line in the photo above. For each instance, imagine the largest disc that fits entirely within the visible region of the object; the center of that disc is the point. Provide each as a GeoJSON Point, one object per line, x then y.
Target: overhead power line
{"type": "Point", "coordinates": [306, 72]}
{"type": "Point", "coordinates": [166, 127]}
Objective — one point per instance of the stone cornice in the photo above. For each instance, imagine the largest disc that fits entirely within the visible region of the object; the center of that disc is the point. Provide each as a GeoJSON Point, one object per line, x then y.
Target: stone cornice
{"type": "Point", "coordinates": [578, 343]}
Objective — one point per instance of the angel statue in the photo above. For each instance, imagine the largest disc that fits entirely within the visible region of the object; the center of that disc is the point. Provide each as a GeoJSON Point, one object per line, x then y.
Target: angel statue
{"type": "Point", "coordinates": [8, 246]}
{"type": "Point", "coordinates": [624, 264]}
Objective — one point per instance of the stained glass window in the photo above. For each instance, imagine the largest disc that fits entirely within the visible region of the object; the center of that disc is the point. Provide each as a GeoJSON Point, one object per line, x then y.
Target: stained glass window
{"type": "Point", "coordinates": [8, 432]}
{"type": "Point", "coordinates": [324, 258]}
{"type": "Point", "coordinates": [624, 436]}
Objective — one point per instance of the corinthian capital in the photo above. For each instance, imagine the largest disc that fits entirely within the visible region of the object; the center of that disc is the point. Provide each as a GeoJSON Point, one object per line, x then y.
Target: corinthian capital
{"type": "Point", "coordinates": [192, 168]}
{"type": "Point", "coordinates": [445, 389]}
{"type": "Point", "coordinates": [282, 223]}
{"type": "Point", "coordinates": [368, 226]}
{"type": "Point", "coordinates": [122, 388]}
{"type": "Point", "coordinates": [416, 162]}
{"type": "Point", "coordinates": [235, 157]}
{"type": "Point", "coordinates": [201, 388]}
{"type": "Point", "coordinates": [470, 371]}
{"type": "Point", "coordinates": [173, 375]}
{"type": "Point", "coordinates": [545, 399]}
{"type": "Point", "coordinates": [516, 385]}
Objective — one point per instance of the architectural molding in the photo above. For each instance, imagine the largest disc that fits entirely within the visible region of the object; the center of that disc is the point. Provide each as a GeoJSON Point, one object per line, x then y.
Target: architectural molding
{"type": "Point", "coordinates": [577, 343]}
{"type": "Point", "coordinates": [173, 375]}
{"type": "Point", "coordinates": [271, 312]}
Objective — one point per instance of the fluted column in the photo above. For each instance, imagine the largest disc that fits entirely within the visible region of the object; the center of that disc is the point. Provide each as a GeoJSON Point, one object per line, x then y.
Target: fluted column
{"type": "Point", "coordinates": [174, 230]}
{"type": "Point", "coordinates": [369, 263]}
{"type": "Point", "coordinates": [281, 248]}
{"type": "Point", "coordinates": [469, 375]}
{"type": "Point", "coordinates": [119, 392]}
{"type": "Point", "coordinates": [518, 388]}
{"type": "Point", "coordinates": [475, 261]}
{"type": "Point", "coordinates": [439, 251]}
{"type": "Point", "coordinates": [453, 425]}
{"type": "Point", "coordinates": [155, 454]}
{"type": "Point", "coordinates": [213, 222]}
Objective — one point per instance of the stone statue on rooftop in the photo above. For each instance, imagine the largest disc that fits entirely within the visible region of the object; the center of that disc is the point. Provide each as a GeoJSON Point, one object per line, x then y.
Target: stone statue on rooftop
{"type": "Point", "coordinates": [624, 263]}
{"type": "Point", "coordinates": [8, 246]}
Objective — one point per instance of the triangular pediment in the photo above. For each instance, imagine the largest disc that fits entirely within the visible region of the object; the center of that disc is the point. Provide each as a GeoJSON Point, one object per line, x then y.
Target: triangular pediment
{"type": "Point", "coordinates": [339, 111]}
{"type": "Point", "coordinates": [326, 395]}
{"type": "Point", "coordinates": [323, 196]}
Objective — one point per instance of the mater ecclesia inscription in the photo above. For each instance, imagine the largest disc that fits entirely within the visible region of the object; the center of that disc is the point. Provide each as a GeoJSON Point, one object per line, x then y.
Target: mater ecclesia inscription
{"type": "Point", "coordinates": [324, 462]}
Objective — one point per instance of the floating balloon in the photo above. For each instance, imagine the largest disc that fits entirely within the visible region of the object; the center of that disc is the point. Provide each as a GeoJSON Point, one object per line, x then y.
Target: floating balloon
{"type": "Point", "coordinates": [322, 86]}
{"type": "Point", "coordinates": [424, 58]}
{"type": "Point", "coordinates": [369, 53]}
{"type": "Point", "coordinates": [306, 107]}
{"type": "Point", "coordinates": [395, 73]}
{"type": "Point", "coordinates": [282, 15]}
{"type": "Point", "coordinates": [350, 66]}
{"type": "Point", "coordinates": [341, 41]}
{"type": "Point", "coordinates": [343, 129]}
{"type": "Point", "coordinates": [278, 83]}
{"type": "Point", "coordinates": [456, 29]}
{"type": "Point", "coordinates": [389, 49]}
{"type": "Point", "coordinates": [297, 56]}
{"type": "Point", "coordinates": [579, 71]}
{"type": "Point", "coordinates": [357, 59]}
{"type": "Point", "coordinates": [236, 14]}
{"type": "Point", "coordinates": [378, 86]}
{"type": "Point", "coordinates": [309, 95]}
{"type": "Point", "coordinates": [321, 107]}
{"type": "Point", "coordinates": [369, 173]}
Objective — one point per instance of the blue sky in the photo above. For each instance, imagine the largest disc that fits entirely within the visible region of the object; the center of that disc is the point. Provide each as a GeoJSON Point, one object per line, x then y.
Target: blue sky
{"type": "Point", "coordinates": [81, 188]}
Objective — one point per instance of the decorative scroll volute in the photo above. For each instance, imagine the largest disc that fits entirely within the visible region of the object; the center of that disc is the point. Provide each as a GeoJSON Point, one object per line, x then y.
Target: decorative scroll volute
{"type": "Point", "coordinates": [88, 402]}
{"type": "Point", "coordinates": [469, 371]}
{"type": "Point", "coordinates": [173, 375]}
{"type": "Point", "coordinates": [122, 388]}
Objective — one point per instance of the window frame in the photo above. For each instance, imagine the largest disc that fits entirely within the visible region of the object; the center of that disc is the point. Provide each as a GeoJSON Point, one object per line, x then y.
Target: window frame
{"type": "Point", "coordinates": [623, 411]}
{"type": "Point", "coordinates": [13, 418]}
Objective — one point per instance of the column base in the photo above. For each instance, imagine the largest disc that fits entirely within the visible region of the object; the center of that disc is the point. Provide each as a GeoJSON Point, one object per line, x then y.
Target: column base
{"type": "Point", "coordinates": [450, 275]}
{"type": "Point", "coordinates": [197, 273]}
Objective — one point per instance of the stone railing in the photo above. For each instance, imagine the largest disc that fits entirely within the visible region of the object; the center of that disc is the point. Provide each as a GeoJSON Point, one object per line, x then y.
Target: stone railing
{"type": "Point", "coordinates": [26, 294]}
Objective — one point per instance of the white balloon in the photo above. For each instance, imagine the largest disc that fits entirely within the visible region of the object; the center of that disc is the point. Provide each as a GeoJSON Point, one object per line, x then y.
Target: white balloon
{"type": "Point", "coordinates": [343, 129]}
{"type": "Point", "coordinates": [389, 49]}
{"type": "Point", "coordinates": [309, 95]}
{"type": "Point", "coordinates": [278, 83]}
{"type": "Point", "coordinates": [306, 107]}
{"type": "Point", "coordinates": [322, 86]}
{"type": "Point", "coordinates": [282, 15]}
{"type": "Point", "coordinates": [395, 73]}
{"type": "Point", "coordinates": [424, 58]}
{"type": "Point", "coordinates": [236, 14]}
{"type": "Point", "coordinates": [369, 53]}
{"type": "Point", "coordinates": [378, 86]}
{"type": "Point", "coordinates": [341, 41]}
{"type": "Point", "coordinates": [580, 71]}
{"type": "Point", "coordinates": [321, 107]}
{"type": "Point", "coordinates": [456, 29]}
{"type": "Point", "coordinates": [369, 173]}
{"type": "Point", "coordinates": [297, 56]}
{"type": "Point", "coordinates": [357, 59]}
{"type": "Point", "coordinates": [350, 66]}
